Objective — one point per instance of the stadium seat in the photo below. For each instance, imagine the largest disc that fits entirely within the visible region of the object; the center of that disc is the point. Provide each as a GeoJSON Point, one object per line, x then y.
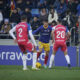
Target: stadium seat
{"type": "Point", "coordinates": [35, 12]}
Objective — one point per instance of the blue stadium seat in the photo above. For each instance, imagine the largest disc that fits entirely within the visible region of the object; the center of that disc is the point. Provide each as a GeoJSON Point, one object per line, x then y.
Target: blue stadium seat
{"type": "Point", "coordinates": [35, 12]}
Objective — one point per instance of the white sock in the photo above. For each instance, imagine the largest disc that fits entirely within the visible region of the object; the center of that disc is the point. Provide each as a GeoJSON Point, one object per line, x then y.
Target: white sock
{"type": "Point", "coordinates": [34, 60]}
{"type": "Point", "coordinates": [51, 60]}
{"type": "Point", "coordinates": [67, 59]}
{"type": "Point", "coordinates": [24, 61]}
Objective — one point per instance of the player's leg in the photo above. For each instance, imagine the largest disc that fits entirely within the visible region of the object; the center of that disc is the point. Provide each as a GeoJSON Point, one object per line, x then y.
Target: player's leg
{"type": "Point", "coordinates": [39, 52]}
{"type": "Point", "coordinates": [64, 49]}
{"type": "Point", "coordinates": [31, 48]}
{"type": "Point", "coordinates": [55, 48]}
{"type": "Point", "coordinates": [34, 58]}
{"type": "Point", "coordinates": [46, 58]}
{"type": "Point", "coordinates": [40, 49]}
{"type": "Point", "coordinates": [24, 59]}
{"type": "Point", "coordinates": [52, 58]}
{"type": "Point", "coordinates": [47, 50]}
{"type": "Point", "coordinates": [67, 58]}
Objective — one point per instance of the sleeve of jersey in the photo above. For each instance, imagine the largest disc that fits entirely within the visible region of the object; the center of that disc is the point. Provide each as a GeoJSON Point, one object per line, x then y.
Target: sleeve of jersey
{"type": "Point", "coordinates": [53, 28]}
{"type": "Point", "coordinates": [32, 37]}
{"type": "Point", "coordinates": [67, 30]}
{"type": "Point", "coordinates": [36, 31]}
{"type": "Point", "coordinates": [11, 32]}
{"type": "Point", "coordinates": [29, 27]}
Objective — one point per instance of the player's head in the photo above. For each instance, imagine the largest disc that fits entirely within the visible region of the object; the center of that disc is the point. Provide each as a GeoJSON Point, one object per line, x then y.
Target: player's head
{"type": "Point", "coordinates": [54, 23]}
{"type": "Point", "coordinates": [59, 21]}
{"type": "Point", "coordinates": [45, 23]}
{"type": "Point", "coordinates": [64, 22]}
{"type": "Point", "coordinates": [23, 18]}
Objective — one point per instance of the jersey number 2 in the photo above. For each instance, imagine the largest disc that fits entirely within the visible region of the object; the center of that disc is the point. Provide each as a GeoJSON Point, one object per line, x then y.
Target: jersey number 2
{"type": "Point", "coordinates": [60, 34]}
{"type": "Point", "coordinates": [20, 31]}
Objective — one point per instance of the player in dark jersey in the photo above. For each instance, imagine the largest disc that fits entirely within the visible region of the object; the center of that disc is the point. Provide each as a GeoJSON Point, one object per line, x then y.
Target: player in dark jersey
{"type": "Point", "coordinates": [45, 33]}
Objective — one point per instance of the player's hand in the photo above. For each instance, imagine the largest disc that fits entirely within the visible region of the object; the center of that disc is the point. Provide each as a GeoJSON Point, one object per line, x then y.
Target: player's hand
{"type": "Point", "coordinates": [15, 40]}
{"type": "Point", "coordinates": [67, 38]}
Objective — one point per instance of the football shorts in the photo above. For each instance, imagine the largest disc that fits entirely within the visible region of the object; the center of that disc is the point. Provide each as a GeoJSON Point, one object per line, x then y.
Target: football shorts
{"type": "Point", "coordinates": [45, 46]}
{"type": "Point", "coordinates": [61, 45]}
{"type": "Point", "coordinates": [26, 47]}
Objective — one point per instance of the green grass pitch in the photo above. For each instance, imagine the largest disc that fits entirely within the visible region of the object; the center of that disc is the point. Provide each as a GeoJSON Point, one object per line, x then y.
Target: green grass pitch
{"type": "Point", "coordinates": [57, 73]}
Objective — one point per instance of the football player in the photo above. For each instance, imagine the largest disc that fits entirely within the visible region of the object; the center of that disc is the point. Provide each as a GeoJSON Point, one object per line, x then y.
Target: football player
{"type": "Point", "coordinates": [22, 30]}
{"type": "Point", "coordinates": [45, 33]}
{"type": "Point", "coordinates": [59, 33]}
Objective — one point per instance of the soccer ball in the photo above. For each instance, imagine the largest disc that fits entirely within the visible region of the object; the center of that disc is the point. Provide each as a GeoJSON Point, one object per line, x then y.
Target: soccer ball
{"type": "Point", "coordinates": [38, 65]}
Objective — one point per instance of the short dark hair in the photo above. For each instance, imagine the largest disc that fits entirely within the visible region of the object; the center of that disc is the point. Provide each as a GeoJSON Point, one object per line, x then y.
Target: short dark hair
{"type": "Point", "coordinates": [23, 17]}
{"type": "Point", "coordinates": [64, 22]}
{"type": "Point", "coordinates": [60, 20]}
{"type": "Point", "coordinates": [45, 20]}
{"type": "Point", "coordinates": [55, 23]}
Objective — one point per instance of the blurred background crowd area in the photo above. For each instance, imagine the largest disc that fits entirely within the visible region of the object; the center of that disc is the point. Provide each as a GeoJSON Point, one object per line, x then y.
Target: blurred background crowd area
{"type": "Point", "coordinates": [37, 11]}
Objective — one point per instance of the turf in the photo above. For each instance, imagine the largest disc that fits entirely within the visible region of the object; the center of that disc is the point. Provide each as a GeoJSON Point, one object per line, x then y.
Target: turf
{"type": "Point", "coordinates": [57, 73]}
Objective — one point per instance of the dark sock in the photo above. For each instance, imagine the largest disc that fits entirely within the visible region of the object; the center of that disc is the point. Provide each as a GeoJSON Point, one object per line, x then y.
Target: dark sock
{"type": "Point", "coordinates": [38, 54]}
{"type": "Point", "coordinates": [46, 59]}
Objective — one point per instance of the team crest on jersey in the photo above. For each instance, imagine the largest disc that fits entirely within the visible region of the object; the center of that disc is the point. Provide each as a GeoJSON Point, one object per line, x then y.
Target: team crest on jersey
{"type": "Point", "coordinates": [47, 30]}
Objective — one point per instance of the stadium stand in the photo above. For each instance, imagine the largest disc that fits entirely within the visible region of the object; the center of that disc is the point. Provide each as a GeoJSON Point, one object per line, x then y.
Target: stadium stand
{"type": "Point", "coordinates": [68, 10]}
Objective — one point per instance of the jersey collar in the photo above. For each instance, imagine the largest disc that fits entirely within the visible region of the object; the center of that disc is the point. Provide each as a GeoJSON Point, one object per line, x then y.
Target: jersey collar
{"type": "Point", "coordinates": [45, 27]}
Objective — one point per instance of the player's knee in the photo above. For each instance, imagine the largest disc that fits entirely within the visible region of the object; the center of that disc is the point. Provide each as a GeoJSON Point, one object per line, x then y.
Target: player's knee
{"type": "Point", "coordinates": [47, 53]}
{"type": "Point", "coordinates": [34, 50]}
{"type": "Point", "coordinates": [65, 52]}
{"type": "Point", "coordinates": [54, 53]}
{"type": "Point", "coordinates": [40, 50]}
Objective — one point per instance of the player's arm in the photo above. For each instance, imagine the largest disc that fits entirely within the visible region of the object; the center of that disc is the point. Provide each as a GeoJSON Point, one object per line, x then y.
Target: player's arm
{"type": "Point", "coordinates": [31, 35]}
{"type": "Point", "coordinates": [68, 33]}
{"type": "Point", "coordinates": [52, 34]}
{"type": "Point", "coordinates": [11, 32]}
{"type": "Point", "coordinates": [36, 31]}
